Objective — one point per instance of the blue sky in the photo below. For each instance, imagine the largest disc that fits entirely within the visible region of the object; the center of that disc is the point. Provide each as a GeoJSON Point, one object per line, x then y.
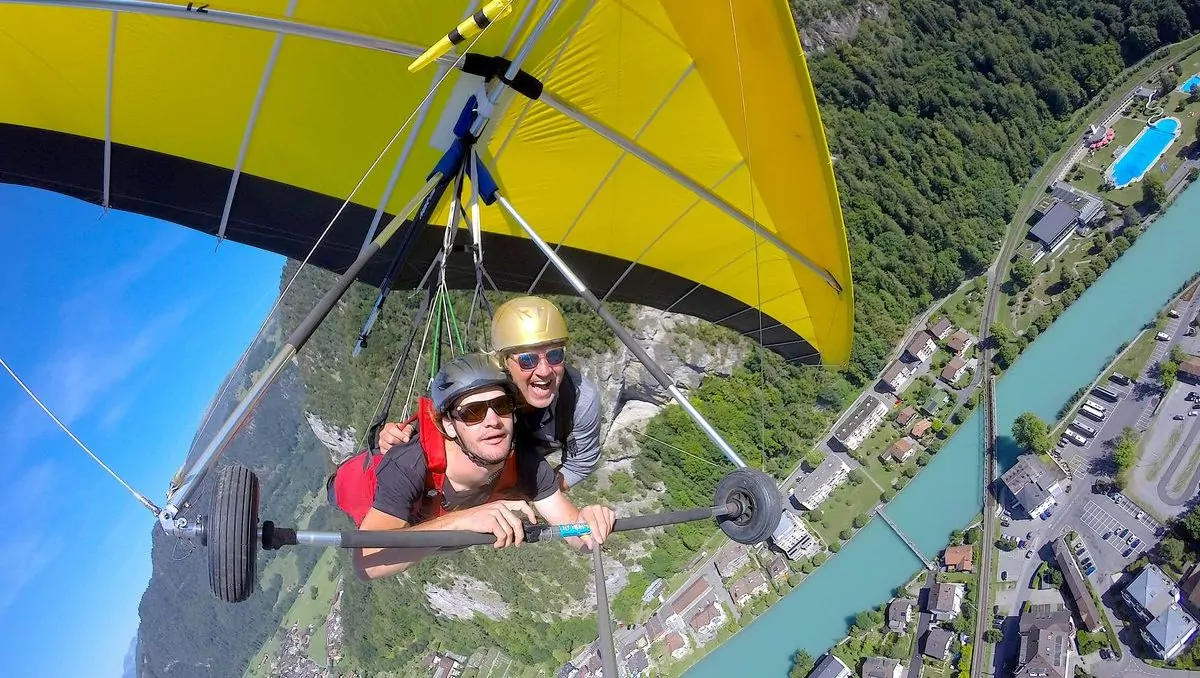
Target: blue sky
{"type": "Point", "coordinates": [125, 327]}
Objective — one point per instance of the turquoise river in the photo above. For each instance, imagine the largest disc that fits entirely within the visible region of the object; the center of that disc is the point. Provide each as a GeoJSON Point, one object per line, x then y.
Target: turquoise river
{"type": "Point", "coordinates": [946, 495]}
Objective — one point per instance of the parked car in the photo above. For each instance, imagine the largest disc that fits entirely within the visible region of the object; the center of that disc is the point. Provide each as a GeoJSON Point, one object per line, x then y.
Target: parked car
{"type": "Point", "coordinates": [1178, 417]}
{"type": "Point", "coordinates": [1090, 570]}
{"type": "Point", "coordinates": [1126, 552]}
{"type": "Point", "coordinates": [1136, 543]}
{"type": "Point", "coordinates": [1162, 336]}
{"type": "Point", "coordinates": [1028, 554]}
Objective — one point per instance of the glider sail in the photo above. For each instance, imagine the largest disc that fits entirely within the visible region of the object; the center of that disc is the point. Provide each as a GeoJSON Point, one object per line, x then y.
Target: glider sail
{"type": "Point", "coordinates": [676, 157]}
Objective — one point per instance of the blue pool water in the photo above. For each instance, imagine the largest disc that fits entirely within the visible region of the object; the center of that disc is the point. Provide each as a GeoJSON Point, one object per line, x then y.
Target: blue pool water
{"type": "Point", "coordinates": [1145, 150]}
{"type": "Point", "coordinates": [1190, 84]}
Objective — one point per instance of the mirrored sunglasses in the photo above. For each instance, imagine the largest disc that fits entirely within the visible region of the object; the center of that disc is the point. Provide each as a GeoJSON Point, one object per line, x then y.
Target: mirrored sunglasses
{"type": "Point", "coordinates": [529, 361]}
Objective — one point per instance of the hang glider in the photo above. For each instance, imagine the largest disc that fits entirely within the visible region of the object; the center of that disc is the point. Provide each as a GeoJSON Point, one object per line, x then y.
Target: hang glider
{"type": "Point", "coordinates": [674, 156]}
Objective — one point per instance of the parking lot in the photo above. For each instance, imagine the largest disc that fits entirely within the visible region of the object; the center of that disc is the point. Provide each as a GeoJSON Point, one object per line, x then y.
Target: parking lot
{"type": "Point", "coordinates": [1113, 536]}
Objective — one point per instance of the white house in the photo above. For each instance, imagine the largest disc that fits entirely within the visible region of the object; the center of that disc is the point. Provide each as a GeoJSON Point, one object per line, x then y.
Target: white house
{"type": "Point", "coordinates": [897, 376]}
{"type": "Point", "coordinates": [861, 423]}
{"type": "Point", "coordinates": [945, 601]}
{"type": "Point", "coordinates": [921, 347]}
{"type": "Point", "coordinates": [816, 486]}
{"type": "Point", "coordinates": [793, 538]}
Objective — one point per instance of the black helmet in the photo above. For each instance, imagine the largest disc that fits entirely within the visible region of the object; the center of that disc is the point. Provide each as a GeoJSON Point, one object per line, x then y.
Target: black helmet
{"type": "Point", "coordinates": [466, 374]}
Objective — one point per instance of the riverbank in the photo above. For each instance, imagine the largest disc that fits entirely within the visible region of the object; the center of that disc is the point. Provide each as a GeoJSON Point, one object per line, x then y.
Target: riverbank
{"type": "Point", "coordinates": [945, 496]}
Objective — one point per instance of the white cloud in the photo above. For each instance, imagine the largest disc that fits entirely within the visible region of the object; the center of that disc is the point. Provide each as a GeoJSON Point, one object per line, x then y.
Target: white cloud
{"type": "Point", "coordinates": [21, 560]}
{"type": "Point", "coordinates": [26, 549]}
{"type": "Point", "coordinates": [84, 369]}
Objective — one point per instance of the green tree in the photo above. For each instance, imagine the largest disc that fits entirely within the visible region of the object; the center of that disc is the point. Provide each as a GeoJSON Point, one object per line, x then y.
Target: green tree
{"type": "Point", "coordinates": [1177, 355]}
{"type": "Point", "coordinates": [1172, 550]}
{"type": "Point", "coordinates": [1031, 433]}
{"type": "Point", "coordinates": [1189, 525]}
{"type": "Point", "coordinates": [993, 636]}
{"type": "Point", "coordinates": [802, 664]}
{"type": "Point", "coordinates": [845, 534]}
{"type": "Point", "coordinates": [1130, 217]}
{"type": "Point", "coordinates": [1022, 274]}
{"type": "Point", "coordinates": [1168, 373]}
{"type": "Point", "coordinates": [860, 520]}
{"type": "Point", "coordinates": [856, 476]}
{"type": "Point", "coordinates": [1167, 81]}
{"type": "Point", "coordinates": [816, 515]}
{"type": "Point", "coordinates": [1125, 452]}
{"type": "Point", "coordinates": [1154, 194]}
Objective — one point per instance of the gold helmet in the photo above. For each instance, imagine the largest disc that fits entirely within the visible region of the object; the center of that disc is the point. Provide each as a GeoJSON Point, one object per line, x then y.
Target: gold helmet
{"type": "Point", "coordinates": [527, 321]}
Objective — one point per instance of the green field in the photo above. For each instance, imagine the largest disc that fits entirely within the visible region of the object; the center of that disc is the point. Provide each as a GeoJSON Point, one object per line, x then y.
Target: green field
{"type": "Point", "coordinates": [1041, 292]}
{"type": "Point", "coordinates": [965, 306]}
{"type": "Point", "coordinates": [306, 609]}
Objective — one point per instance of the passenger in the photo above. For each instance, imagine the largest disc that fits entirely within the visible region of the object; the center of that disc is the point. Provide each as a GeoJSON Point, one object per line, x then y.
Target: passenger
{"type": "Point", "coordinates": [559, 408]}
{"type": "Point", "coordinates": [487, 485]}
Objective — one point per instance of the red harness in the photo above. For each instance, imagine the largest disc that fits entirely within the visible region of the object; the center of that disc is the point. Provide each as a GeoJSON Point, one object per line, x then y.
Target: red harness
{"type": "Point", "coordinates": [352, 486]}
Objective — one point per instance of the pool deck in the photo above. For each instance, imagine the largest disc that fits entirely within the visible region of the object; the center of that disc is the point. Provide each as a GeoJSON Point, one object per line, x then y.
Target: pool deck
{"type": "Point", "coordinates": [1133, 144]}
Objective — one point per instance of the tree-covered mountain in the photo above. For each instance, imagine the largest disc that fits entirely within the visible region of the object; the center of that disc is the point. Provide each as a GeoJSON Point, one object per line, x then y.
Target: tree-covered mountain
{"type": "Point", "coordinates": [939, 115]}
{"type": "Point", "coordinates": [185, 631]}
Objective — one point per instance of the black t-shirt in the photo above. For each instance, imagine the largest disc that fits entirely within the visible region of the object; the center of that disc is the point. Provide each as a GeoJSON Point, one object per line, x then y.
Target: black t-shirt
{"type": "Point", "coordinates": [401, 487]}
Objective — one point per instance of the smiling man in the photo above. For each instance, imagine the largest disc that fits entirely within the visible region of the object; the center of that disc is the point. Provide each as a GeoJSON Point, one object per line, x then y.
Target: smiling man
{"type": "Point", "coordinates": [559, 410]}
{"type": "Point", "coordinates": [487, 486]}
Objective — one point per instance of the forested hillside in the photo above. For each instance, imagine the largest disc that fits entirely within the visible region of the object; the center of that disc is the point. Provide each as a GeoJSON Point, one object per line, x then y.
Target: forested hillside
{"type": "Point", "coordinates": [937, 118]}
{"type": "Point", "coordinates": [185, 631]}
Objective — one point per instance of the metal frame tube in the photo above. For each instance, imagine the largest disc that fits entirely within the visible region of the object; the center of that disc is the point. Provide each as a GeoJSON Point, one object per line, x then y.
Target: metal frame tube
{"type": "Point", "coordinates": [623, 334]}
{"type": "Point", "coordinates": [282, 536]}
{"type": "Point", "coordinates": [514, 66]}
{"type": "Point", "coordinates": [198, 11]}
{"type": "Point", "coordinates": [635, 149]}
{"type": "Point", "coordinates": [607, 654]}
{"type": "Point", "coordinates": [187, 481]}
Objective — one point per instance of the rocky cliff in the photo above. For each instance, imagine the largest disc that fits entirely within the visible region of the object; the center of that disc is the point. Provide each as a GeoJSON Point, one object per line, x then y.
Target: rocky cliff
{"type": "Point", "coordinates": [825, 26]}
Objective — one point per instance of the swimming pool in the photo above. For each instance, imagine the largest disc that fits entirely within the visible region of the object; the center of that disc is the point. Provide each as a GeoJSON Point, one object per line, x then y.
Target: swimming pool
{"type": "Point", "coordinates": [1190, 84]}
{"type": "Point", "coordinates": [1145, 150]}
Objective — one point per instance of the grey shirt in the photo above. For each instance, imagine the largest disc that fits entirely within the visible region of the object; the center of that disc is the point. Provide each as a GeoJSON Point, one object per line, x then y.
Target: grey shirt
{"type": "Point", "coordinates": [582, 453]}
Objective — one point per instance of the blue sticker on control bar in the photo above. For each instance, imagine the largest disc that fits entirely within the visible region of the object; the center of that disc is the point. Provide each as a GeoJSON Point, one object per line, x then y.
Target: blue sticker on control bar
{"type": "Point", "coordinates": [576, 530]}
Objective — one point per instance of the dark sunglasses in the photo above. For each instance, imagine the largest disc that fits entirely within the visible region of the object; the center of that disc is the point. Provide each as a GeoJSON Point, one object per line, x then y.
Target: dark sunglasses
{"type": "Point", "coordinates": [473, 413]}
{"type": "Point", "coordinates": [529, 361]}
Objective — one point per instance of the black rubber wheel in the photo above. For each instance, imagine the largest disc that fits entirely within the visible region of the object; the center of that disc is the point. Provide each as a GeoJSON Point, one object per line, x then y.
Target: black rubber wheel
{"type": "Point", "coordinates": [761, 505]}
{"type": "Point", "coordinates": [232, 534]}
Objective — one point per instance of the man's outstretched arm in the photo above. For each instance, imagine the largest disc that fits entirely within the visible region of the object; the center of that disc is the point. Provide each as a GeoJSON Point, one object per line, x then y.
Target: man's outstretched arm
{"type": "Point", "coordinates": [501, 518]}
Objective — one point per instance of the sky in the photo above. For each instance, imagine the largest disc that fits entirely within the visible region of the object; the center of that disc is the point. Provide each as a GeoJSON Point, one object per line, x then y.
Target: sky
{"type": "Point", "coordinates": [124, 326]}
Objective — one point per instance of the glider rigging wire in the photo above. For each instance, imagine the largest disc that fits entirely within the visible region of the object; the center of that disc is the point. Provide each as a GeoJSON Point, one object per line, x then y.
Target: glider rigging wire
{"type": "Point", "coordinates": [762, 361]}
{"type": "Point", "coordinates": [279, 300]}
{"type": "Point", "coordinates": [136, 495]}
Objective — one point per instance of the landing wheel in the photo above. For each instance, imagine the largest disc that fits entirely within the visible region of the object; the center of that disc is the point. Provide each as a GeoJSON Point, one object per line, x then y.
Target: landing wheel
{"type": "Point", "coordinates": [232, 534]}
{"type": "Point", "coordinates": [759, 503]}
